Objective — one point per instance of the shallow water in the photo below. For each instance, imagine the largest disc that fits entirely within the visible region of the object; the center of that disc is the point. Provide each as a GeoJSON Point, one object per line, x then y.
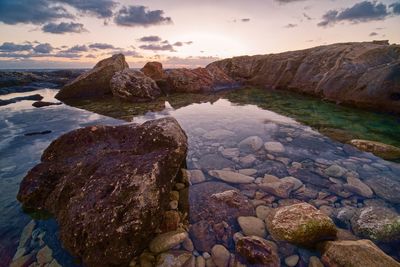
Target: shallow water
{"type": "Point", "coordinates": [213, 123]}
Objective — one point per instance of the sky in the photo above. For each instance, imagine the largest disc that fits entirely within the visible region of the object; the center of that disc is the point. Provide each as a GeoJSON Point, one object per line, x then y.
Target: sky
{"type": "Point", "coordinates": [181, 33]}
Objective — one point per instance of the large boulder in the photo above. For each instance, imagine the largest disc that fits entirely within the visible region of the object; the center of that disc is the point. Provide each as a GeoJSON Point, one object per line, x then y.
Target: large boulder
{"type": "Point", "coordinates": [153, 70]}
{"type": "Point", "coordinates": [134, 86]}
{"type": "Point", "coordinates": [382, 150]}
{"type": "Point", "coordinates": [364, 74]}
{"type": "Point", "coordinates": [96, 82]}
{"type": "Point", "coordinates": [300, 224]}
{"type": "Point", "coordinates": [107, 186]}
{"type": "Point", "coordinates": [360, 253]}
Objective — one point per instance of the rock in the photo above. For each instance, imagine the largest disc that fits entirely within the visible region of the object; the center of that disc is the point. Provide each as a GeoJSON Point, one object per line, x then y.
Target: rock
{"type": "Point", "coordinates": [356, 186]}
{"type": "Point", "coordinates": [154, 70]}
{"type": "Point", "coordinates": [231, 177]}
{"type": "Point", "coordinates": [230, 153]}
{"type": "Point", "coordinates": [220, 256]}
{"type": "Point", "coordinates": [188, 244]}
{"type": "Point", "coordinates": [214, 162]}
{"type": "Point", "coordinates": [40, 104]}
{"type": "Point", "coordinates": [20, 98]}
{"type": "Point", "coordinates": [315, 262]}
{"type": "Point", "coordinates": [386, 188]}
{"type": "Point", "coordinates": [256, 251]}
{"type": "Point", "coordinates": [96, 82]}
{"type": "Point", "coordinates": [274, 147]}
{"type": "Point", "coordinates": [273, 168]}
{"type": "Point", "coordinates": [335, 171]}
{"type": "Point", "coordinates": [196, 176]}
{"type": "Point", "coordinates": [300, 224]}
{"type": "Point", "coordinates": [203, 236]}
{"type": "Point", "coordinates": [21, 261]}
{"type": "Point", "coordinates": [94, 181]}
{"type": "Point", "coordinates": [296, 182]}
{"type": "Point", "coordinates": [280, 189]}
{"type": "Point", "coordinates": [200, 261]}
{"type": "Point", "coordinates": [263, 211]}
{"type": "Point", "coordinates": [134, 86]}
{"type": "Point", "coordinates": [292, 260]}
{"type": "Point", "coordinates": [248, 172]}
{"type": "Point", "coordinates": [26, 234]}
{"type": "Point", "coordinates": [167, 241]}
{"type": "Point", "coordinates": [355, 253]}
{"type": "Point", "coordinates": [252, 226]}
{"type": "Point", "coordinates": [247, 161]}
{"type": "Point", "coordinates": [171, 221]}
{"type": "Point", "coordinates": [173, 258]}
{"type": "Point", "coordinates": [44, 255]}
{"type": "Point", "coordinates": [359, 74]}
{"type": "Point", "coordinates": [382, 150]}
{"type": "Point", "coordinates": [37, 133]}
{"type": "Point", "coordinates": [379, 224]}
{"type": "Point", "coordinates": [251, 144]}
{"type": "Point", "coordinates": [218, 134]}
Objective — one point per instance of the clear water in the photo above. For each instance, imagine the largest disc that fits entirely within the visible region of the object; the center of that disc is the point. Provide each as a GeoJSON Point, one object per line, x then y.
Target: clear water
{"type": "Point", "coordinates": [274, 116]}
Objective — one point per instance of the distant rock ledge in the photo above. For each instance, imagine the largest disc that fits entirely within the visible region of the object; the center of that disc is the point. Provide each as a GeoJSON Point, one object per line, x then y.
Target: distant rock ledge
{"type": "Point", "coordinates": [364, 74]}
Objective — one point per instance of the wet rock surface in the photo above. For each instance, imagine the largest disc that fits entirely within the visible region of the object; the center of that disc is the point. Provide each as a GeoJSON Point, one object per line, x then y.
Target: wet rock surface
{"type": "Point", "coordinates": [107, 187]}
{"type": "Point", "coordinates": [34, 97]}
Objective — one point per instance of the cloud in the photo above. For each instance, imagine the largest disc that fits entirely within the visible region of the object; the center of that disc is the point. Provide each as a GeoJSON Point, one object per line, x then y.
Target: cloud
{"type": "Point", "coordinates": [11, 47]}
{"type": "Point", "coordinates": [98, 8]}
{"type": "Point", "coordinates": [77, 49]}
{"type": "Point", "coordinates": [373, 34]}
{"type": "Point", "coordinates": [155, 47]}
{"type": "Point", "coordinates": [90, 56]}
{"type": "Point", "coordinates": [245, 20]}
{"type": "Point", "coordinates": [360, 12]}
{"type": "Point", "coordinates": [189, 62]}
{"type": "Point", "coordinates": [151, 38]}
{"type": "Point", "coordinates": [396, 8]}
{"type": "Point", "coordinates": [287, 1]}
{"type": "Point", "coordinates": [28, 11]}
{"type": "Point", "coordinates": [178, 44]}
{"type": "Point", "coordinates": [307, 16]}
{"type": "Point", "coordinates": [101, 46]}
{"type": "Point", "coordinates": [139, 16]}
{"type": "Point", "coordinates": [63, 27]}
{"type": "Point", "coordinates": [43, 48]}
{"type": "Point", "coordinates": [290, 25]}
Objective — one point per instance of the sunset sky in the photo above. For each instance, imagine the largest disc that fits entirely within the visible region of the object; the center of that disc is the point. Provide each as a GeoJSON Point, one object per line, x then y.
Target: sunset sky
{"type": "Point", "coordinates": [188, 33]}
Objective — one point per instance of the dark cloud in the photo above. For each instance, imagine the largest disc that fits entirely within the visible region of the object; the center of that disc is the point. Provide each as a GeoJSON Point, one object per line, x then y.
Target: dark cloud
{"type": "Point", "coordinates": [77, 49]}
{"type": "Point", "coordinates": [396, 8]}
{"type": "Point", "coordinates": [90, 56]}
{"type": "Point", "coordinates": [307, 16]}
{"type": "Point", "coordinates": [63, 27]}
{"type": "Point", "coordinates": [11, 47]}
{"type": "Point", "coordinates": [155, 47]}
{"type": "Point", "coordinates": [28, 11]}
{"type": "Point", "coordinates": [287, 1]}
{"type": "Point", "coordinates": [43, 48]}
{"type": "Point", "coordinates": [245, 20]}
{"type": "Point", "coordinates": [360, 12]}
{"type": "Point", "coordinates": [290, 25]}
{"type": "Point", "coordinates": [101, 46]}
{"type": "Point", "coordinates": [151, 38]}
{"type": "Point", "coordinates": [98, 8]}
{"type": "Point", "coordinates": [373, 34]}
{"type": "Point", "coordinates": [140, 16]}
{"type": "Point", "coordinates": [189, 42]}
{"type": "Point", "coordinates": [178, 44]}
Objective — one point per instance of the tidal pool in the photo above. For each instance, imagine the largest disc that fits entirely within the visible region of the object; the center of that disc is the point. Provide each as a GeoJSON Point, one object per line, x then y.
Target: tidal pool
{"type": "Point", "coordinates": [285, 142]}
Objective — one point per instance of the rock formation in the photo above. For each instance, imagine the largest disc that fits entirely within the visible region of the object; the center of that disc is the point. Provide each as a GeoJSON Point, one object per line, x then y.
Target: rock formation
{"type": "Point", "coordinates": [96, 82]}
{"type": "Point", "coordinates": [364, 74]}
{"type": "Point", "coordinates": [107, 186]}
{"type": "Point", "coordinates": [134, 86]}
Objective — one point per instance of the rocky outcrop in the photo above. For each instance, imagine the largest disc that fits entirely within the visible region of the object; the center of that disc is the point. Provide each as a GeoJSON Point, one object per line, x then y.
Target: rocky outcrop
{"type": "Point", "coordinates": [348, 253]}
{"type": "Point", "coordinates": [382, 150]}
{"type": "Point", "coordinates": [363, 74]}
{"type": "Point", "coordinates": [154, 70]}
{"type": "Point", "coordinates": [96, 82]}
{"type": "Point", "coordinates": [134, 86]}
{"type": "Point", "coordinates": [107, 186]}
{"type": "Point", "coordinates": [300, 224]}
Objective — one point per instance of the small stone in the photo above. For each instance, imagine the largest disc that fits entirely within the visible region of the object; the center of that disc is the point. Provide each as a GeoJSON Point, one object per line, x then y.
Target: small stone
{"type": "Point", "coordinates": [356, 186]}
{"type": "Point", "coordinates": [171, 221]}
{"type": "Point", "coordinates": [200, 261]}
{"type": "Point", "coordinates": [206, 255]}
{"type": "Point", "coordinates": [247, 161]}
{"type": "Point", "coordinates": [218, 134]}
{"type": "Point", "coordinates": [274, 147]}
{"type": "Point", "coordinates": [44, 255]}
{"type": "Point", "coordinates": [335, 171]}
{"type": "Point", "coordinates": [297, 183]}
{"type": "Point", "coordinates": [167, 241]}
{"type": "Point", "coordinates": [22, 261]}
{"type": "Point", "coordinates": [263, 211]}
{"type": "Point", "coordinates": [248, 172]}
{"type": "Point", "coordinates": [256, 251]}
{"type": "Point", "coordinates": [270, 178]}
{"type": "Point", "coordinates": [280, 189]}
{"type": "Point", "coordinates": [315, 262]}
{"type": "Point", "coordinates": [231, 177]}
{"type": "Point", "coordinates": [188, 244]}
{"type": "Point", "coordinates": [292, 260]}
{"type": "Point", "coordinates": [173, 205]}
{"type": "Point", "coordinates": [179, 186]}
{"type": "Point", "coordinates": [196, 176]}
{"type": "Point", "coordinates": [173, 258]}
{"type": "Point", "coordinates": [220, 256]}
{"type": "Point", "coordinates": [174, 195]}
{"type": "Point", "coordinates": [230, 153]}
{"type": "Point", "coordinates": [252, 226]}
{"type": "Point", "coordinates": [251, 144]}
{"type": "Point", "coordinates": [147, 259]}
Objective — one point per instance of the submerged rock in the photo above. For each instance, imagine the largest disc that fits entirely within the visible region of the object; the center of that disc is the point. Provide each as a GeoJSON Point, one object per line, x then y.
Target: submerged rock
{"type": "Point", "coordinates": [386, 188]}
{"type": "Point", "coordinates": [40, 104]}
{"type": "Point", "coordinates": [173, 258]}
{"type": "Point", "coordinates": [231, 177]}
{"type": "Point", "coordinates": [377, 223]}
{"type": "Point", "coordinates": [300, 224]}
{"type": "Point", "coordinates": [256, 251]}
{"type": "Point", "coordinates": [382, 150]}
{"type": "Point", "coordinates": [35, 97]}
{"type": "Point", "coordinates": [349, 253]}
{"type": "Point", "coordinates": [96, 82]}
{"type": "Point", "coordinates": [134, 86]}
{"type": "Point", "coordinates": [107, 187]}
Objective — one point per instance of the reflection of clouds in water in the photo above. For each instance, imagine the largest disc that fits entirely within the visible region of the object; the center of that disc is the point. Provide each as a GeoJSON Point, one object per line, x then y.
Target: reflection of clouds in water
{"type": "Point", "coordinates": [48, 96]}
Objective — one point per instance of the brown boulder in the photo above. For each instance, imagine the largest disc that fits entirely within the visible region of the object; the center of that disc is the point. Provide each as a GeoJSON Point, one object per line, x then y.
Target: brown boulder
{"type": "Point", "coordinates": [360, 253]}
{"type": "Point", "coordinates": [96, 82]}
{"type": "Point", "coordinates": [153, 70]}
{"type": "Point", "coordinates": [107, 186]}
{"type": "Point", "coordinates": [256, 251]}
{"type": "Point", "coordinates": [134, 86]}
